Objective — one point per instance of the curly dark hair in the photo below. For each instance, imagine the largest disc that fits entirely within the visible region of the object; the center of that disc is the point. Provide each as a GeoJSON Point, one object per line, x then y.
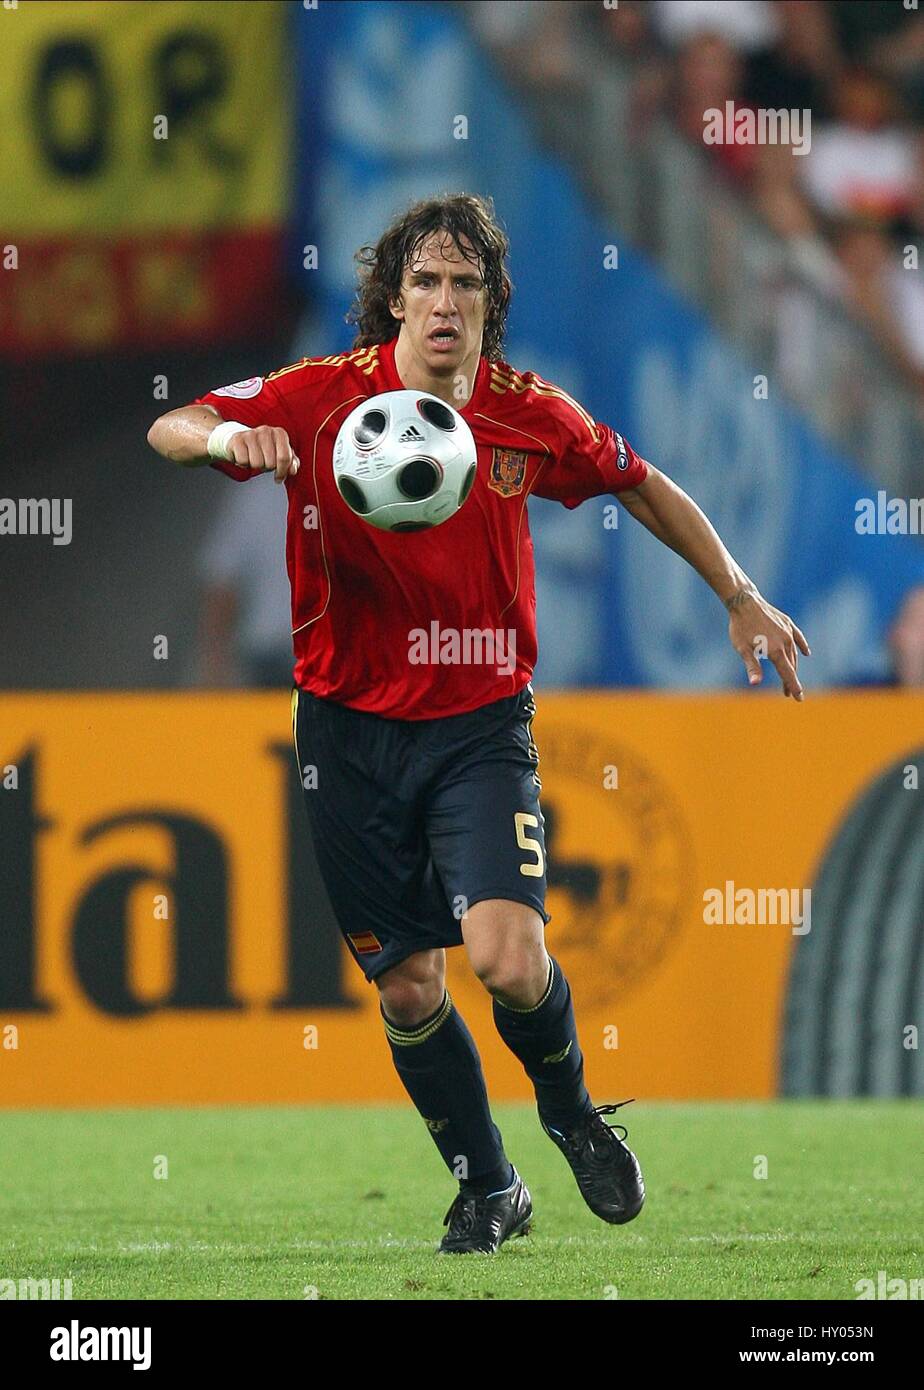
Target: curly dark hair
{"type": "Point", "coordinates": [381, 267]}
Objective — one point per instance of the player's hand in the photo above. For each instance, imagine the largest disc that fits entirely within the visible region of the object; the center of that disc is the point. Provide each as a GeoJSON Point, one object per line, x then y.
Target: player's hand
{"type": "Point", "coordinates": [758, 630]}
{"type": "Point", "coordinates": [265, 449]}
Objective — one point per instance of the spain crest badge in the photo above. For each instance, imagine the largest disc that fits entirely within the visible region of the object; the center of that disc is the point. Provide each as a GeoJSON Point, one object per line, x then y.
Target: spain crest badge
{"type": "Point", "coordinates": [508, 471]}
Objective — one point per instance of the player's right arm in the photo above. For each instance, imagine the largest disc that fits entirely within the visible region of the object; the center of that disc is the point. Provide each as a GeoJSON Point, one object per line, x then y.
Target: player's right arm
{"type": "Point", "coordinates": [188, 437]}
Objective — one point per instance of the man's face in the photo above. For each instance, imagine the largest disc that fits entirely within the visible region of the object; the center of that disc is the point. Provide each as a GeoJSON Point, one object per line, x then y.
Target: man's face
{"type": "Point", "coordinates": [442, 305]}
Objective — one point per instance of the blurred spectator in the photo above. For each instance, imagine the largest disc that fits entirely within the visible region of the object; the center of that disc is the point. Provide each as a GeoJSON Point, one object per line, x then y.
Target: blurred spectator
{"type": "Point", "coordinates": [745, 25]}
{"type": "Point", "coordinates": [801, 68]}
{"type": "Point", "coordinates": [628, 29]}
{"type": "Point", "coordinates": [863, 162]}
{"type": "Point", "coordinates": [245, 628]}
{"type": "Point", "coordinates": [531, 37]}
{"type": "Point", "coordinates": [906, 640]}
{"type": "Point", "coordinates": [879, 288]}
{"type": "Point", "coordinates": [871, 32]}
{"type": "Point", "coordinates": [904, 664]}
{"type": "Point", "coordinates": [627, 34]}
{"type": "Point", "coordinates": [709, 71]}
{"type": "Point", "coordinates": [899, 56]}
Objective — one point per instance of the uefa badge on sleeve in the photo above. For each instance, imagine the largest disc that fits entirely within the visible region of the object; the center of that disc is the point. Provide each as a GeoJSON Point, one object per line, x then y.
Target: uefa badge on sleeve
{"type": "Point", "coordinates": [622, 458]}
{"type": "Point", "coordinates": [241, 390]}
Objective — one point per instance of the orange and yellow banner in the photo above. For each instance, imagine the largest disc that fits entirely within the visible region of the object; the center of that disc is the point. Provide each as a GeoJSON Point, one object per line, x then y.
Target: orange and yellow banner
{"type": "Point", "coordinates": [165, 937]}
{"type": "Point", "coordinates": [144, 150]}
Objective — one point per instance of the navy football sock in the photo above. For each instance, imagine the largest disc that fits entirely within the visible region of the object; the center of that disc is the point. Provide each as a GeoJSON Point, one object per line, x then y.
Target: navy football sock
{"type": "Point", "coordinates": [439, 1066]}
{"type": "Point", "coordinates": [546, 1042]}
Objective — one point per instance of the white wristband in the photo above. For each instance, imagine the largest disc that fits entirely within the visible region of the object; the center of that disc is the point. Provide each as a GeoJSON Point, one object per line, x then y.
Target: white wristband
{"type": "Point", "coordinates": [220, 438]}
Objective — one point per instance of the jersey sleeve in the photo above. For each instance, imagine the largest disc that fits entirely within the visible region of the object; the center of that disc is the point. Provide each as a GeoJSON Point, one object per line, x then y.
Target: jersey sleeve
{"type": "Point", "coordinates": [591, 459]}
{"type": "Point", "coordinates": [253, 402]}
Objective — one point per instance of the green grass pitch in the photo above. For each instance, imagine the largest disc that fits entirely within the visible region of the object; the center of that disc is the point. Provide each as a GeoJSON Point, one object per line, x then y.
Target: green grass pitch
{"type": "Point", "coordinates": [346, 1203]}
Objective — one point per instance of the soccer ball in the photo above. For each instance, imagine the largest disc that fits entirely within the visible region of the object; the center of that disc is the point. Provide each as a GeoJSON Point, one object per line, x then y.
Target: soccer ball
{"type": "Point", "coordinates": [404, 461]}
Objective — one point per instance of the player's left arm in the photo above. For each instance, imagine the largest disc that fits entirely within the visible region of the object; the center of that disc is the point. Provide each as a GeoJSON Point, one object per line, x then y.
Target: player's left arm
{"type": "Point", "coordinates": [754, 624]}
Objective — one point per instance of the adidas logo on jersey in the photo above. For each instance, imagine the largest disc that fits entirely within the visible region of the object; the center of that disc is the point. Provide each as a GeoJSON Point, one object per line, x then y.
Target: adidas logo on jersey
{"type": "Point", "coordinates": [411, 435]}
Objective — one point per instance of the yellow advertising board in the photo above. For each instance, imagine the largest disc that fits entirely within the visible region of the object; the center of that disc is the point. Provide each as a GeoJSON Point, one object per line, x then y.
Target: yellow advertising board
{"type": "Point", "coordinates": [145, 155]}
{"type": "Point", "coordinates": [120, 117]}
{"type": "Point", "coordinates": [165, 938]}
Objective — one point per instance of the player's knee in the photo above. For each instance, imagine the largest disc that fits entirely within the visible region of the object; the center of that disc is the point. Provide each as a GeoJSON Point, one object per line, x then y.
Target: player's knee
{"type": "Point", "coordinates": [513, 976]}
{"type": "Point", "coordinates": [413, 990]}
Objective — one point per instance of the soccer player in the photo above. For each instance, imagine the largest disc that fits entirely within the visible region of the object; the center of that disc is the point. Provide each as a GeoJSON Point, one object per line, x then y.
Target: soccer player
{"type": "Point", "coordinates": [426, 817]}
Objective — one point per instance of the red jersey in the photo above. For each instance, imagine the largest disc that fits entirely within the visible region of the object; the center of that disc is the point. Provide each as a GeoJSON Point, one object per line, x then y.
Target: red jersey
{"type": "Point", "coordinates": [423, 624]}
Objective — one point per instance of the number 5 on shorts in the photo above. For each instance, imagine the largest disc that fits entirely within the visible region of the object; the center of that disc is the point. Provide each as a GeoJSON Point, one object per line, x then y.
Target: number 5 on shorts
{"type": "Point", "coordinates": [521, 820]}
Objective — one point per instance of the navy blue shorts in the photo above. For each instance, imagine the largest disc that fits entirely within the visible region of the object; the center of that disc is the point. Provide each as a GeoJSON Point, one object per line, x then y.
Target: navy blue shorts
{"type": "Point", "coordinates": [414, 821]}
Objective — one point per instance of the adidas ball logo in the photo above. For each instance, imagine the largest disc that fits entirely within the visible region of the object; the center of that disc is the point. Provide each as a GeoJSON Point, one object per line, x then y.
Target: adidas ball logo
{"type": "Point", "coordinates": [411, 435]}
